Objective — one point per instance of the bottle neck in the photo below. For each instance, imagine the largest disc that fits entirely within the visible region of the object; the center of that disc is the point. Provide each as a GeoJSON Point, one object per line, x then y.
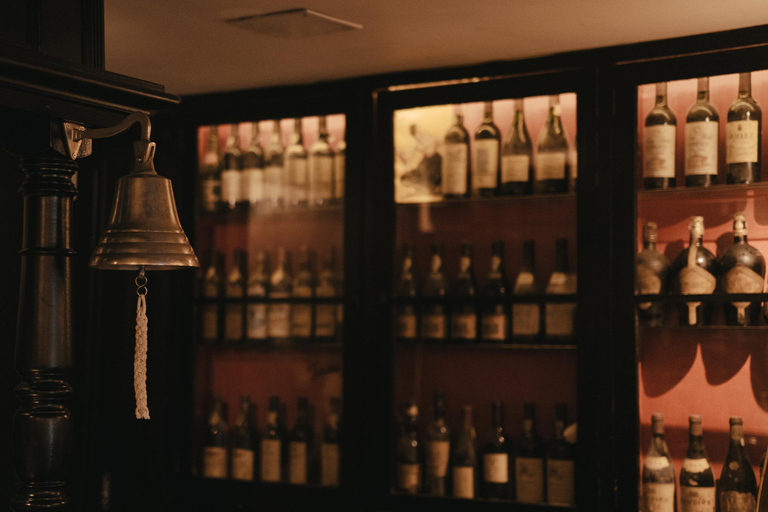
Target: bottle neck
{"type": "Point", "coordinates": [559, 429]}
{"type": "Point", "coordinates": [696, 447]}
{"type": "Point", "coordinates": [649, 244]}
{"type": "Point", "coordinates": [696, 240]}
{"type": "Point", "coordinates": [488, 113]}
{"type": "Point", "coordinates": [745, 84]}
{"type": "Point", "coordinates": [661, 94]}
{"type": "Point", "coordinates": [437, 264]}
{"type": "Point", "coordinates": [702, 94]}
{"type": "Point", "coordinates": [498, 417]}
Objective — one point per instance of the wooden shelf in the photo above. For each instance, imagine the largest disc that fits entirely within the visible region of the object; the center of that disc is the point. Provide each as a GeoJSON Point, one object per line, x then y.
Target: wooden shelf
{"type": "Point", "coordinates": [271, 345]}
{"type": "Point", "coordinates": [492, 200]}
{"type": "Point", "coordinates": [455, 346]}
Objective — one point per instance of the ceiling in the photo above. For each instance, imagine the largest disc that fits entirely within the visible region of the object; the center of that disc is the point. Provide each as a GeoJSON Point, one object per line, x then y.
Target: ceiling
{"type": "Point", "coordinates": [186, 46]}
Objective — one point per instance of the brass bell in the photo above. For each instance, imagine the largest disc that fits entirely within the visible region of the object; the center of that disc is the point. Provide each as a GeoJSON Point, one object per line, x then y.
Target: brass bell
{"type": "Point", "coordinates": [144, 228]}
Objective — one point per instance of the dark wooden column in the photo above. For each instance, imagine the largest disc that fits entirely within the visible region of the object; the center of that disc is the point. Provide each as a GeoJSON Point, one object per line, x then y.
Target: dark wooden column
{"type": "Point", "coordinates": [42, 427]}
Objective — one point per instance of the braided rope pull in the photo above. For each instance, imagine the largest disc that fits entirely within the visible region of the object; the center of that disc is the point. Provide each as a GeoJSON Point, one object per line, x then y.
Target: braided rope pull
{"type": "Point", "coordinates": [140, 351]}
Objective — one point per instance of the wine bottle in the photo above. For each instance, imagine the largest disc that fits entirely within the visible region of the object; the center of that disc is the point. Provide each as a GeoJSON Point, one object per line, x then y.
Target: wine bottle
{"type": "Point", "coordinates": [252, 177]}
{"type": "Point", "coordinates": [272, 444]}
{"type": "Point", "coordinates": [231, 170]}
{"type": "Point", "coordinates": [529, 460]}
{"type": "Point", "coordinates": [496, 456]}
{"type": "Point", "coordinates": [433, 319]}
{"type": "Point", "coordinates": [327, 287]}
{"type": "Point", "coordinates": [233, 315]}
{"type": "Point", "coordinates": [742, 270]}
{"type": "Point", "coordinates": [495, 319]}
{"type": "Point", "coordinates": [409, 459]}
{"type": "Point", "coordinates": [274, 182]}
{"type": "Point", "coordinates": [559, 318]}
{"type": "Point", "coordinates": [485, 166]}
{"type": "Point", "coordinates": [738, 487]}
{"type": "Point", "coordinates": [702, 128]}
{"type": "Point", "coordinates": [526, 318]}
{"type": "Point", "coordinates": [296, 167]}
{"type": "Point", "coordinates": [243, 441]}
{"type": "Point", "coordinates": [339, 170]}
{"type": "Point", "coordinates": [210, 177]}
{"type": "Point", "coordinates": [762, 490]}
{"type": "Point", "coordinates": [280, 287]}
{"type": "Point", "coordinates": [303, 286]}
{"type": "Point", "coordinates": [258, 288]}
{"type": "Point", "coordinates": [300, 445]}
{"type": "Point", "coordinates": [695, 269]}
{"type": "Point", "coordinates": [321, 168]}
{"type": "Point", "coordinates": [743, 135]}
{"type": "Point", "coordinates": [456, 169]}
{"type": "Point", "coordinates": [517, 156]}
{"type": "Point", "coordinates": [651, 277]}
{"type": "Point", "coordinates": [405, 312]}
{"type": "Point", "coordinates": [465, 459]}
{"type": "Point", "coordinates": [551, 174]}
{"type": "Point", "coordinates": [216, 442]}
{"type": "Point", "coordinates": [463, 311]}
{"type": "Point", "coordinates": [329, 449]}
{"type": "Point", "coordinates": [212, 288]}
{"type": "Point", "coordinates": [659, 142]}
{"type": "Point", "coordinates": [560, 461]}
{"type": "Point", "coordinates": [438, 450]}
{"type": "Point", "coordinates": [658, 472]}
{"type": "Point", "coordinates": [697, 483]}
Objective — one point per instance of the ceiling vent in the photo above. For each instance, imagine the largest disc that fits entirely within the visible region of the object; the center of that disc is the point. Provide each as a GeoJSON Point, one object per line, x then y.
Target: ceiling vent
{"type": "Point", "coordinates": [293, 23]}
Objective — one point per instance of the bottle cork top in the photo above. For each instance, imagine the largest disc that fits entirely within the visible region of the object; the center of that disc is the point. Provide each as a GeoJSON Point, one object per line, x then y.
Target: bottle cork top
{"type": "Point", "coordinates": [736, 420]}
{"type": "Point", "coordinates": [696, 226]}
{"type": "Point", "coordinates": [650, 232]}
{"type": "Point", "coordinates": [739, 224]}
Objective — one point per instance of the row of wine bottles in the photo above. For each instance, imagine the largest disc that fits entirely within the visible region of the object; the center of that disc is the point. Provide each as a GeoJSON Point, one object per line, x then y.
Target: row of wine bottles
{"type": "Point", "coordinates": [493, 168]}
{"type": "Point", "coordinates": [743, 133]}
{"type": "Point", "coordinates": [276, 454]}
{"type": "Point", "coordinates": [291, 176]}
{"type": "Point", "coordinates": [737, 485]}
{"type": "Point", "coordinates": [438, 465]}
{"type": "Point", "coordinates": [276, 320]}
{"type": "Point", "coordinates": [439, 322]}
{"type": "Point", "coordinates": [740, 269]}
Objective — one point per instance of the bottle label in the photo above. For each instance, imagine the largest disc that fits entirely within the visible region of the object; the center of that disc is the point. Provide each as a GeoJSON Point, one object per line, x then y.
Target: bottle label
{"type": "Point", "coordinates": [329, 464]}
{"type": "Point", "coordinates": [339, 163]}
{"type": "Point", "coordinates": [406, 325]}
{"type": "Point", "coordinates": [464, 482]}
{"type": "Point", "coordinates": [697, 499]}
{"type": "Point", "coordinates": [464, 326]}
{"type": "Point", "coordinates": [659, 151]}
{"type": "Point", "coordinates": [325, 320]}
{"type": "Point", "coordinates": [696, 465]}
{"type": "Point", "coordinates": [741, 141]}
{"type": "Point", "coordinates": [242, 464]}
{"type": "Point", "coordinates": [279, 325]}
{"type": "Point", "coordinates": [230, 186]}
{"type": "Point", "coordinates": [734, 501]}
{"type": "Point", "coordinates": [270, 460]}
{"type": "Point", "coordinates": [741, 279]}
{"type": "Point", "coordinates": [209, 321]}
{"type": "Point", "coordinates": [252, 185]}
{"type": "Point", "coordinates": [694, 280]}
{"type": "Point", "coordinates": [256, 326]}
{"type": "Point", "coordinates": [273, 183]}
{"type": "Point", "coordinates": [211, 188]}
{"type": "Point", "coordinates": [214, 462]}
{"type": "Point", "coordinates": [658, 497]}
{"type": "Point", "coordinates": [433, 326]}
{"type": "Point", "coordinates": [494, 326]}
{"type": "Point", "coordinates": [486, 163]}
{"type": "Point", "coordinates": [496, 468]}
{"type": "Point", "coordinates": [646, 283]}
{"type": "Point", "coordinates": [560, 482]}
{"type": "Point", "coordinates": [701, 148]}
{"type": "Point", "coordinates": [526, 319]}
{"type": "Point", "coordinates": [297, 473]}
{"type": "Point", "coordinates": [297, 178]}
{"type": "Point", "coordinates": [558, 319]}
{"type": "Point", "coordinates": [233, 324]}
{"type": "Point", "coordinates": [301, 314]}
{"type": "Point", "coordinates": [515, 168]}
{"type": "Point", "coordinates": [529, 479]}
{"type": "Point", "coordinates": [437, 458]}
{"type": "Point", "coordinates": [656, 463]}
{"type": "Point", "coordinates": [550, 166]}
{"type": "Point", "coordinates": [455, 169]}
{"type": "Point", "coordinates": [321, 176]}
{"type": "Point", "coordinates": [409, 477]}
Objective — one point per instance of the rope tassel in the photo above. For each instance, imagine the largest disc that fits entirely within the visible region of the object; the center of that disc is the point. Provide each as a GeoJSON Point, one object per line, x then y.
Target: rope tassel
{"type": "Point", "coordinates": [140, 351]}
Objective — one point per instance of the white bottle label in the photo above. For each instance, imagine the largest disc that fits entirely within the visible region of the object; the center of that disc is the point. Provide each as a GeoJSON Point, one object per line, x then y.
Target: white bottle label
{"type": "Point", "coordinates": [433, 326]}
{"type": "Point", "coordinates": [464, 326]}
{"type": "Point", "coordinates": [321, 177]}
{"type": "Point", "coordinates": [658, 497]}
{"type": "Point", "coordinates": [659, 151]}
{"type": "Point", "coordinates": [297, 453]}
{"type": "Point", "coordinates": [494, 327]}
{"type": "Point", "coordinates": [655, 463]}
{"type": "Point", "coordinates": [529, 479]}
{"type": "Point", "coordinates": [514, 168]}
{"type": "Point", "coordinates": [406, 325]}
{"type": "Point", "coordinates": [486, 163]}
{"type": "Point", "coordinates": [256, 321]}
{"type": "Point", "coordinates": [560, 482]}
{"type": "Point", "coordinates": [279, 325]}
{"type": "Point", "coordinates": [455, 169]}
{"type": "Point", "coordinates": [242, 464]}
{"type": "Point", "coordinates": [697, 499]}
{"type": "Point", "coordinates": [210, 316]}
{"type": "Point", "coordinates": [438, 454]}
{"type": "Point", "coordinates": [558, 319]}
{"type": "Point", "coordinates": [297, 178]}
{"type": "Point", "coordinates": [550, 166]}
{"type": "Point", "coordinates": [741, 141]}
{"type": "Point", "coordinates": [230, 186]}
{"type": "Point", "coordinates": [270, 460]}
{"type": "Point", "coordinates": [301, 314]}
{"type": "Point", "coordinates": [695, 281]}
{"type": "Point", "coordinates": [696, 465]}
{"type": "Point", "coordinates": [526, 319]}
{"type": "Point", "coordinates": [701, 148]}
{"type": "Point", "coordinates": [339, 163]}
{"type": "Point", "coordinates": [409, 477]}
{"type": "Point", "coordinates": [252, 185]}
{"type": "Point", "coordinates": [329, 464]}
{"type": "Point", "coordinates": [214, 462]}
{"type": "Point", "coordinates": [463, 482]}
{"type": "Point", "coordinates": [733, 501]}
{"type": "Point", "coordinates": [496, 468]}
{"type": "Point", "coordinates": [741, 279]}
{"type": "Point", "coordinates": [273, 183]}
